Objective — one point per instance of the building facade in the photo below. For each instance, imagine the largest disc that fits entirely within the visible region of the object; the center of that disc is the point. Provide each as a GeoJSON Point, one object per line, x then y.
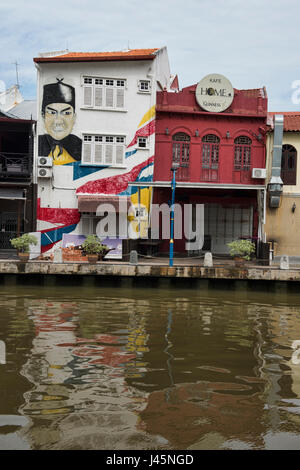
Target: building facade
{"type": "Point", "coordinates": [216, 136]}
{"type": "Point", "coordinates": [17, 189]}
{"type": "Point", "coordinates": [282, 214]}
{"type": "Point", "coordinates": [95, 134]}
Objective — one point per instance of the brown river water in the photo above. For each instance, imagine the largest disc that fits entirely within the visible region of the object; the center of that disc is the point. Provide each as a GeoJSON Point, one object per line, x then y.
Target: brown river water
{"type": "Point", "coordinates": [119, 366]}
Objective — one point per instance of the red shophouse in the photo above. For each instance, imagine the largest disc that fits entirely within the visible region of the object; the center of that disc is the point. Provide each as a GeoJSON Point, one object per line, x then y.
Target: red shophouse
{"type": "Point", "coordinates": [221, 156]}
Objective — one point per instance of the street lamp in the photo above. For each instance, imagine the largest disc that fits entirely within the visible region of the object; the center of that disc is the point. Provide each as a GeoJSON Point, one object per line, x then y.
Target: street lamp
{"type": "Point", "coordinates": [174, 168]}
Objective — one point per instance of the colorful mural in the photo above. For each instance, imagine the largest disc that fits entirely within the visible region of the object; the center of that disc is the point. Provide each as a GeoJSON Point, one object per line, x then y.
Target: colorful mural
{"type": "Point", "coordinates": [58, 113]}
{"type": "Point", "coordinates": [65, 221]}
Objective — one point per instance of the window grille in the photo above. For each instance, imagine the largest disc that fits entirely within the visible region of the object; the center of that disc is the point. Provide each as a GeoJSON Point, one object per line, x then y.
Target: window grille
{"type": "Point", "coordinates": [181, 149]}
{"type": "Point", "coordinates": [242, 153]}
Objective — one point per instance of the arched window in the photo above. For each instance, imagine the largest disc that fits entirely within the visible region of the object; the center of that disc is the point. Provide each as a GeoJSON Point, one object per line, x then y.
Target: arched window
{"type": "Point", "coordinates": [210, 157]}
{"type": "Point", "coordinates": [210, 151]}
{"type": "Point", "coordinates": [181, 149]}
{"type": "Point", "coordinates": [242, 153]}
{"type": "Point", "coordinates": [288, 164]}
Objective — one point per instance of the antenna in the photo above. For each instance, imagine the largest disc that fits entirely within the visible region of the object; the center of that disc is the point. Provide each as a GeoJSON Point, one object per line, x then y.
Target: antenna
{"type": "Point", "coordinates": [16, 64]}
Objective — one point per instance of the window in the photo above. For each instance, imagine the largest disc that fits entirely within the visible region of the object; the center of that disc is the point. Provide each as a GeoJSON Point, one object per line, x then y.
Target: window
{"type": "Point", "coordinates": [103, 93]}
{"type": "Point", "coordinates": [181, 149]}
{"type": "Point", "coordinates": [142, 142]}
{"type": "Point", "coordinates": [210, 151]}
{"type": "Point", "coordinates": [288, 164]}
{"type": "Point", "coordinates": [144, 86]}
{"type": "Point", "coordinates": [103, 150]}
{"type": "Point", "coordinates": [242, 153]}
{"type": "Point", "coordinates": [210, 157]}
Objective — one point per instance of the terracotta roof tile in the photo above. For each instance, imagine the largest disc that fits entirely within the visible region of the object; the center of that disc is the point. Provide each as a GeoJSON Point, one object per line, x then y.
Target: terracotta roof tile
{"type": "Point", "coordinates": [132, 54]}
{"type": "Point", "coordinates": [291, 120]}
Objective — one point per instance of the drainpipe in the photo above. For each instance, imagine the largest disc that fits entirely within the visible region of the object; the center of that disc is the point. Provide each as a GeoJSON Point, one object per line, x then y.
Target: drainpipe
{"type": "Point", "coordinates": [275, 185]}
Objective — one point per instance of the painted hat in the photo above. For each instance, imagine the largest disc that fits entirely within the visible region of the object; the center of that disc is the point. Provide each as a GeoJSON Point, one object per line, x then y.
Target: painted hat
{"type": "Point", "coordinates": [58, 93]}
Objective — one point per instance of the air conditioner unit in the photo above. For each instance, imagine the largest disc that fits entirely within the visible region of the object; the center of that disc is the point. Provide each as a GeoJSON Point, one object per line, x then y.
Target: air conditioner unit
{"type": "Point", "coordinates": [44, 172]}
{"type": "Point", "coordinates": [45, 161]}
{"type": "Point", "coordinates": [259, 173]}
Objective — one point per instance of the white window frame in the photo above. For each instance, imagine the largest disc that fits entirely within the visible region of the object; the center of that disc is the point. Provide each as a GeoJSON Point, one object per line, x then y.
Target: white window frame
{"type": "Point", "coordinates": [103, 150]}
{"type": "Point", "coordinates": [140, 90]}
{"type": "Point", "coordinates": [146, 147]}
{"type": "Point", "coordinates": [98, 91]}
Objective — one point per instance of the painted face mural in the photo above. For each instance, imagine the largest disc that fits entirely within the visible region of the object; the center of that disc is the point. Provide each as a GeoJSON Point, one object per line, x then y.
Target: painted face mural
{"type": "Point", "coordinates": [58, 112]}
{"type": "Point", "coordinates": [59, 120]}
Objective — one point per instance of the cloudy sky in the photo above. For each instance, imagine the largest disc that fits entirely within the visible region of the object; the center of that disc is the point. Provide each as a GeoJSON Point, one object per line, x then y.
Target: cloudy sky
{"type": "Point", "coordinates": [251, 42]}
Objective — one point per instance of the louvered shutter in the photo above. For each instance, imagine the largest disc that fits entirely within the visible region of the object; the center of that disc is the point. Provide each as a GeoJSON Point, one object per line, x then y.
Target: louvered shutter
{"type": "Point", "coordinates": [87, 153]}
{"type": "Point", "coordinates": [120, 98]}
{"type": "Point", "coordinates": [98, 97]}
{"type": "Point", "coordinates": [98, 153]}
{"type": "Point", "coordinates": [109, 102]}
{"type": "Point", "coordinates": [87, 95]}
{"type": "Point", "coordinates": [109, 154]}
{"type": "Point", "coordinates": [119, 154]}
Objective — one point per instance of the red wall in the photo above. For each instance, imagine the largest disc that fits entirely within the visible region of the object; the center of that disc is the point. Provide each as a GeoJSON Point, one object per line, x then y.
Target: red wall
{"type": "Point", "coordinates": [179, 112]}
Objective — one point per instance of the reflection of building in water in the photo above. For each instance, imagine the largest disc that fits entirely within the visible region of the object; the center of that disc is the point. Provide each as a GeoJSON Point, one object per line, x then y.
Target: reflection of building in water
{"type": "Point", "coordinates": [137, 340]}
{"type": "Point", "coordinates": [80, 398]}
{"type": "Point", "coordinates": [282, 327]}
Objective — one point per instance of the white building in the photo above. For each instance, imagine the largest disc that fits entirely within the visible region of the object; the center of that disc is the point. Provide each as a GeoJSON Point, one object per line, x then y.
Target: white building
{"type": "Point", "coordinates": [95, 134]}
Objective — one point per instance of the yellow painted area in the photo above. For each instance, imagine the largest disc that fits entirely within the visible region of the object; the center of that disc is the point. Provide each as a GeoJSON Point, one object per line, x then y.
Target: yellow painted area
{"type": "Point", "coordinates": [64, 158]}
{"type": "Point", "coordinates": [283, 225]}
{"type": "Point", "coordinates": [149, 115]}
{"type": "Point", "coordinates": [140, 225]}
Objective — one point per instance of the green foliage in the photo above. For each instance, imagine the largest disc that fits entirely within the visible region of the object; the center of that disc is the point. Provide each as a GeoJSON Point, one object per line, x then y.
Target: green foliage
{"type": "Point", "coordinates": [92, 245]}
{"type": "Point", "coordinates": [22, 243]}
{"type": "Point", "coordinates": [241, 248]}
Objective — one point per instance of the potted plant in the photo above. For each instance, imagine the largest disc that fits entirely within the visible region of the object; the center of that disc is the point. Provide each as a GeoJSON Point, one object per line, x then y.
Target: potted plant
{"type": "Point", "coordinates": [93, 248]}
{"type": "Point", "coordinates": [241, 251]}
{"type": "Point", "coordinates": [22, 245]}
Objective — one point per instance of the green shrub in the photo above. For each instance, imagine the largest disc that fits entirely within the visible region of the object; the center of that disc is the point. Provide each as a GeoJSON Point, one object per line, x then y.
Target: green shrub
{"type": "Point", "coordinates": [22, 243]}
{"type": "Point", "coordinates": [92, 245]}
{"type": "Point", "coordinates": [241, 248]}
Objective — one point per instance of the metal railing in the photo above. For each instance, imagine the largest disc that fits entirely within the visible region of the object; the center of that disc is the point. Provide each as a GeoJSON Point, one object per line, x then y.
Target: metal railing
{"type": "Point", "coordinates": [15, 165]}
{"type": "Point", "coordinates": [5, 238]}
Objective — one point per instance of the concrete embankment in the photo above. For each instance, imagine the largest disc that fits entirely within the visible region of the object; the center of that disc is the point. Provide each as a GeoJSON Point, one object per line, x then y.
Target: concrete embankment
{"type": "Point", "coordinates": [150, 270]}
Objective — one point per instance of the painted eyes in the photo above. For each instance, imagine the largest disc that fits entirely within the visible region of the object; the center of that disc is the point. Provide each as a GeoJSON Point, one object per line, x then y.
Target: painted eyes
{"type": "Point", "coordinates": [52, 112]}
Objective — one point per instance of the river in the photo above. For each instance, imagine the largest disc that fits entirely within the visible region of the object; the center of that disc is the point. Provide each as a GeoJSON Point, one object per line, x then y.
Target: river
{"type": "Point", "coordinates": [94, 366]}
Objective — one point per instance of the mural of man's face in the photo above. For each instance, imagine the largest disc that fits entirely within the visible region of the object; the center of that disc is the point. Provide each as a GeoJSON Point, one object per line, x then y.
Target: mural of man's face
{"type": "Point", "coordinates": [59, 120]}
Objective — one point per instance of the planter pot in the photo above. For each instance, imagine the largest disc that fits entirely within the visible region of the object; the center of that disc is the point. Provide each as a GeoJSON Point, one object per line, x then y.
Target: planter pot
{"type": "Point", "coordinates": [23, 257]}
{"type": "Point", "coordinates": [239, 262]}
{"type": "Point", "coordinates": [93, 258]}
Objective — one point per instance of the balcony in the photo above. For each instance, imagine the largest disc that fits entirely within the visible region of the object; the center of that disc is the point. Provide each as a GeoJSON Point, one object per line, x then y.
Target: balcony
{"type": "Point", "coordinates": [15, 166]}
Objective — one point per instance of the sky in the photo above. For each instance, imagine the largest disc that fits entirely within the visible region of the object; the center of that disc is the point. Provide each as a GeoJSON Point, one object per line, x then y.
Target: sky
{"type": "Point", "coordinates": [254, 43]}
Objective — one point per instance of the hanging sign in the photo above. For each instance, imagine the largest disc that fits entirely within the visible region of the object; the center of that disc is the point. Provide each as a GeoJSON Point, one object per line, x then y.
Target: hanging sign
{"type": "Point", "coordinates": [214, 93]}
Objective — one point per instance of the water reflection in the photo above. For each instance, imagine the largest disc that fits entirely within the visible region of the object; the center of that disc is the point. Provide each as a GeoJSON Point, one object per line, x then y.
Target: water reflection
{"type": "Point", "coordinates": [144, 369]}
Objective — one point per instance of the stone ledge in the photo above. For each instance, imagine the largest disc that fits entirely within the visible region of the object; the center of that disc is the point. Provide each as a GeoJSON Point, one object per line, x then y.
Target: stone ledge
{"type": "Point", "coordinates": [149, 270]}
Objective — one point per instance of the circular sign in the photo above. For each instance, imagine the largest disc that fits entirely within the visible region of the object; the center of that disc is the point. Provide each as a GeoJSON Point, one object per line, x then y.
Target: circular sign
{"type": "Point", "coordinates": [214, 93]}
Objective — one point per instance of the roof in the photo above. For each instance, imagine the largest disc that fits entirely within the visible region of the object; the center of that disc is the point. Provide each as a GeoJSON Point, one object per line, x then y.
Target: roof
{"type": "Point", "coordinates": [131, 54]}
{"type": "Point", "coordinates": [291, 122]}
{"type": "Point", "coordinates": [25, 110]}
{"type": "Point", "coordinates": [251, 102]}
